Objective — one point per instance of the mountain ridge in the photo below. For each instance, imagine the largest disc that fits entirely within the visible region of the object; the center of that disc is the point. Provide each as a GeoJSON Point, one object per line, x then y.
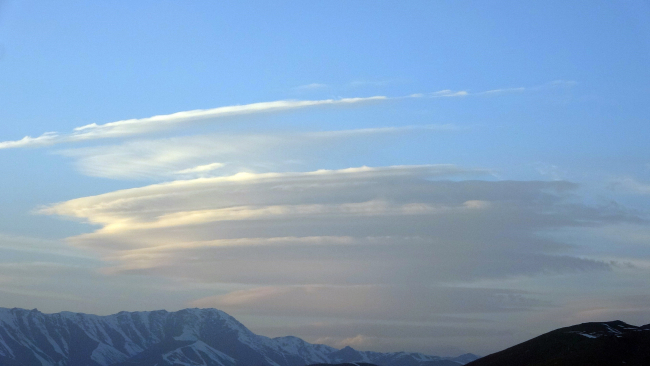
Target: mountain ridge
{"type": "Point", "coordinates": [188, 337]}
{"type": "Point", "coordinates": [586, 344]}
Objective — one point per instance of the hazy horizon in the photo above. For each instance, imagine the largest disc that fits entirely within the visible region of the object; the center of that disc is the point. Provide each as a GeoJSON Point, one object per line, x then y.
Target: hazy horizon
{"type": "Point", "coordinates": [431, 176]}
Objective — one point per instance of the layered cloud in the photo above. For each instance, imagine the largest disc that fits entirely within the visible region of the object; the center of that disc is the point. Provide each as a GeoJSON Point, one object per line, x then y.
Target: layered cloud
{"type": "Point", "coordinates": [223, 154]}
{"type": "Point", "coordinates": [37, 247]}
{"type": "Point", "coordinates": [364, 226]}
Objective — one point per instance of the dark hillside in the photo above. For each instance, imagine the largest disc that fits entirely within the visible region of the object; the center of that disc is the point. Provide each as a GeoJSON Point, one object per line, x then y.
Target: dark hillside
{"type": "Point", "coordinates": [587, 344]}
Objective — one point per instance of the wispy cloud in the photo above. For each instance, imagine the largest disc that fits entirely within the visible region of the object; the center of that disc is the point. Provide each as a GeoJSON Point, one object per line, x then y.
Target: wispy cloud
{"type": "Point", "coordinates": [521, 89]}
{"type": "Point", "coordinates": [201, 168]}
{"type": "Point", "coordinates": [550, 170]}
{"type": "Point", "coordinates": [130, 127]}
{"type": "Point", "coordinates": [48, 138]}
{"type": "Point", "coordinates": [449, 93]}
{"type": "Point", "coordinates": [383, 130]}
{"type": "Point", "coordinates": [151, 124]}
{"type": "Point", "coordinates": [195, 155]}
{"type": "Point", "coordinates": [549, 85]}
{"type": "Point", "coordinates": [630, 185]}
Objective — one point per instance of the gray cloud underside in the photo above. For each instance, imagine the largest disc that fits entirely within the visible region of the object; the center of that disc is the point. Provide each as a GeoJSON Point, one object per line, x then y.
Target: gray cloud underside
{"type": "Point", "coordinates": [378, 317]}
{"type": "Point", "coordinates": [403, 303]}
{"type": "Point", "coordinates": [374, 336]}
{"type": "Point", "coordinates": [32, 247]}
{"type": "Point", "coordinates": [390, 226]}
{"type": "Point", "coordinates": [379, 330]}
{"type": "Point", "coordinates": [53, 286]}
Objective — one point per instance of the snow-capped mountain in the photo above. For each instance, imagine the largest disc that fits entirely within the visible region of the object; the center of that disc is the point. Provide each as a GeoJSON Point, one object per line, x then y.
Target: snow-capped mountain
{"type": "Point", "coordinates": [189, 337]}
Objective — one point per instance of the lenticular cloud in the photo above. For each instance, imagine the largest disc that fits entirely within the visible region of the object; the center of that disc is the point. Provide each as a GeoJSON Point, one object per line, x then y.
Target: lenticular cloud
{"type": "Point", "coordinates": [281, 228]}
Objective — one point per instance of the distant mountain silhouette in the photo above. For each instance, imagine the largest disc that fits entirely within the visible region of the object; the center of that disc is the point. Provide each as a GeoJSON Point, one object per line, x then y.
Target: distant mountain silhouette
{"type": "Point", "coordinates": [587, 344]}
{"type": "Point", "coordinates": [190, 337]}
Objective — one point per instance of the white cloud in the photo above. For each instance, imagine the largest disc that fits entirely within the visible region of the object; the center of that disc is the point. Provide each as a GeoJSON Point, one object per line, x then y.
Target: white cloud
{"type": "Point", "coordinates": [85, 207]}
{"type": "Point", "coordinates": [449, 93]}
{"type": "Point", "coordinates": [151, 124]}
{"type": "Point", "coordinates": [192, 156]}
{"type": "Point", "coordinates": [201, 168]}
{"type": "Point", "coordinates": [45, 139]}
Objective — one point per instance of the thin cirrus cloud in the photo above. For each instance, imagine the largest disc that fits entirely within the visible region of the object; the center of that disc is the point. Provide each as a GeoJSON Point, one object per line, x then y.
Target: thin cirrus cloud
{"type": "Point", "coordinates": [449, 93]}
{"type": "Point", "coordinates": [151, 124]}
{"type": "Point", "coordinates": [136, 126]}
{"type": "Point", "coordinates": [500, 91]}
{"type": "Point", "coordinates": [204, 155]}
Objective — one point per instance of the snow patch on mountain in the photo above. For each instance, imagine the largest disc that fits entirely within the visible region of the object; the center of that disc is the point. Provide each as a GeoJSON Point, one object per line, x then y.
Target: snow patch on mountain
{"type": "Point", "coordinates": [107, 355]}
{"type": "Point", "coordinates": [190, 337]}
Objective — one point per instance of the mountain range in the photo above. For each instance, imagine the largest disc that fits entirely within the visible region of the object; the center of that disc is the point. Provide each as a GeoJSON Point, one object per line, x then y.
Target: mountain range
{"type": "Point", "coordinates": [189, 337]}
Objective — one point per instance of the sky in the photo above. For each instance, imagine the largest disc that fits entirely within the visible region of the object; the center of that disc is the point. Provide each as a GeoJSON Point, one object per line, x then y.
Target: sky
{"type": "Point", "coordinates": [430, 176]}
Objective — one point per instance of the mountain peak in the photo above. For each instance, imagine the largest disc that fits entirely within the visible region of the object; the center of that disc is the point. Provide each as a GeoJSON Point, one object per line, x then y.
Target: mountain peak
{"type": "Point", "coordinates": [190, 337]}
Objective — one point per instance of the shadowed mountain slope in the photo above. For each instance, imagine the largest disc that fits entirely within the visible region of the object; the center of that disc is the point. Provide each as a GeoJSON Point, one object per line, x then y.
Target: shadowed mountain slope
{"type": "Point", "coordinates": [587, 344]}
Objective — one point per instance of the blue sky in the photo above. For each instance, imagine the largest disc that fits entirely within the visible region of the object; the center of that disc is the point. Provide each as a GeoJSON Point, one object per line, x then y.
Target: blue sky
{"type": "Point", "coordinates": [448, 170]}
